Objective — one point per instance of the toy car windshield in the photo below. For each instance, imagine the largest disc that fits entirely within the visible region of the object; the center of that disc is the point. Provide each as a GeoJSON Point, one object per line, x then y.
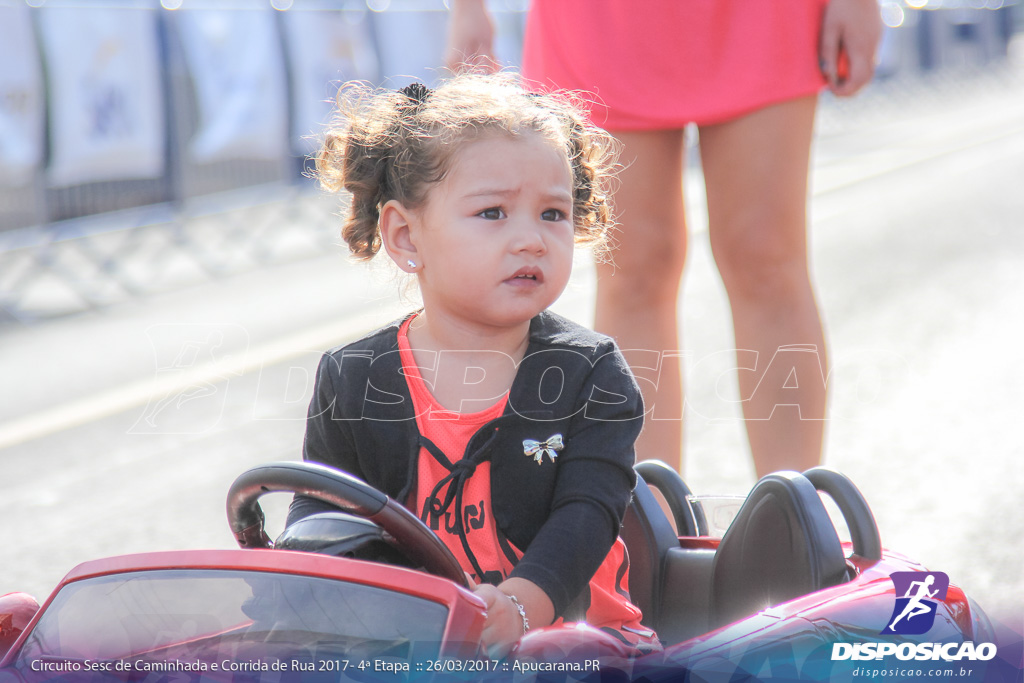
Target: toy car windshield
{"type": "Point", "coordinates": [144, 618]}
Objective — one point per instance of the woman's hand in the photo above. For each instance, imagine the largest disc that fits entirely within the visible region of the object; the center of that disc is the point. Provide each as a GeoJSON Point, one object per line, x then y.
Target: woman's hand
{"type": "Point", "coordinates": [850, 32]}
{"type": "Point", "coordinates": [470, 38]}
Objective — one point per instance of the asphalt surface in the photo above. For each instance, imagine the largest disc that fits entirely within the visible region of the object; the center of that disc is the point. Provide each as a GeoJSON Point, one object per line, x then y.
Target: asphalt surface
{"type": "Point", "coordinates": [121, 429]}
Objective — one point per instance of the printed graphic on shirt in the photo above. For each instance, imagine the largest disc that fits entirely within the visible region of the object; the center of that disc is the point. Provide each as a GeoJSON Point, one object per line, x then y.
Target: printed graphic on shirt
{"type": "Point", "coordinates": [474, 517]}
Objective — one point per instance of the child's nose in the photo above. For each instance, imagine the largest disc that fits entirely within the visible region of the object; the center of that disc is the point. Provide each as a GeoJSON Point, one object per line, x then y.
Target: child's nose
{"type": "Point", "coordinates": [529, 237]}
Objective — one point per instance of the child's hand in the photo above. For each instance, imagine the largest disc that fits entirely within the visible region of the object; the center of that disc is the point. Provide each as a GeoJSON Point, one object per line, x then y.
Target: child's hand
{"type": "Point", "coordinates": [504, 625]}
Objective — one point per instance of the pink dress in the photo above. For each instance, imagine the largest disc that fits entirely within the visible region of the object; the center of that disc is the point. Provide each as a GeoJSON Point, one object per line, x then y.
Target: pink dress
{"type": "Point", "coordinates": [660, 64]}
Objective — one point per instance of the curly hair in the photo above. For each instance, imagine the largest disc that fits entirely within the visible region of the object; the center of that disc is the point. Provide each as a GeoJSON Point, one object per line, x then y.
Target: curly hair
{"type": "Point", "coordinates": [394, 144]}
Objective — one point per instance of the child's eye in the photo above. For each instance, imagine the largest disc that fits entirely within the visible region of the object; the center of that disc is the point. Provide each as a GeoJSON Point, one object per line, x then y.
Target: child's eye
{"type": "Point", "coordinates": [553, 215]}
{"type": "Point", "coordinates": [492, 214]}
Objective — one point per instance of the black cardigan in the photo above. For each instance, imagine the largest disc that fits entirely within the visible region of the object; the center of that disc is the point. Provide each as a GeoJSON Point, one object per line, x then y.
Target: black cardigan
{"type": "Point", "coordinates": [571, 381]}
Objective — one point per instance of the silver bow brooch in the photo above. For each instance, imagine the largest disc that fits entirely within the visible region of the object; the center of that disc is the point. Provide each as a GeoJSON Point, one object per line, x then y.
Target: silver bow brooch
{"type": "Point", "coordinates": [538, 449]}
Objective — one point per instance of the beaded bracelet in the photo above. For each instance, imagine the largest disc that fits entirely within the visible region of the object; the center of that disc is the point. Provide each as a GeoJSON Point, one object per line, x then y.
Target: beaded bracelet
{"type": "Point", "coordinates": [522, 612]}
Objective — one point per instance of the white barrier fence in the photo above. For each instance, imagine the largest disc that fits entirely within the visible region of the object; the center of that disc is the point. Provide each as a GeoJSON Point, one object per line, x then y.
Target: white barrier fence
{"type": "Point", "coordinates": [151, 113]}
{"type": "Point", "coordinates": [140, 103]}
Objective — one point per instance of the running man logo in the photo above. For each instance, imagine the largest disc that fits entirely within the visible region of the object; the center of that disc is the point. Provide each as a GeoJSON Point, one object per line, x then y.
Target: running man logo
{"type": "Point", "coordinates": [921, 592]}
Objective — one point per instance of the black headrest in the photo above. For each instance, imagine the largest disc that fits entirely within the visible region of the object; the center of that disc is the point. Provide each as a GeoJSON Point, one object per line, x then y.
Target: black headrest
{"type": "Point", "coordinates": [781, 545]}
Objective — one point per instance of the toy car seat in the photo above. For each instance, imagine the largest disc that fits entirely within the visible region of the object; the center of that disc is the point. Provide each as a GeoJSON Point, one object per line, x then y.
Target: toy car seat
{"type": "Point", "coordinates": [781, 545]}
{"type": "Point", "coordinates": [669, 582]}
{"type": "Point", "coordinates": [648, 537]}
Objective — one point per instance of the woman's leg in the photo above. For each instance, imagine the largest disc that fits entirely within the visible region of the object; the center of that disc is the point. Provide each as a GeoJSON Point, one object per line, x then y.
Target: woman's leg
{"type": "Point", "coordinates": [637, 292]}
{"type": "Point", "coordinates": [756, 172]}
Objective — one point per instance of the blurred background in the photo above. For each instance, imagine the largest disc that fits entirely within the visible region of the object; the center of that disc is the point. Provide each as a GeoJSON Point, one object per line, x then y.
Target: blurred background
{"type": "Point", "coordinates": [169, 276]}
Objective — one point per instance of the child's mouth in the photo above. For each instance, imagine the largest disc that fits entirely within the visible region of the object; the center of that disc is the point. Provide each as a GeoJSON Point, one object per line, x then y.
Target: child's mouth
{"type": "Point", "coordinates": [527, 274]}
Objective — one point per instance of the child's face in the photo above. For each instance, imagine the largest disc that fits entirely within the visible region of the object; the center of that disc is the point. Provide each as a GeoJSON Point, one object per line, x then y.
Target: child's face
{"type": "Point", "coordinates": [496, 237]}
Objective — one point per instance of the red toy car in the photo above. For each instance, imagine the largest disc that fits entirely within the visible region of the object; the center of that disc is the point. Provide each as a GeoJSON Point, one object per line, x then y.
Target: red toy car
{"type": "Point", "coordinates": [777, 597]}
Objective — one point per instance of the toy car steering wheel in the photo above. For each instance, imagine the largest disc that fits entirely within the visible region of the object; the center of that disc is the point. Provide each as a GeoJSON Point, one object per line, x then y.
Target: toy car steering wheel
{"type": "Point", "coordinates": [411, 536]}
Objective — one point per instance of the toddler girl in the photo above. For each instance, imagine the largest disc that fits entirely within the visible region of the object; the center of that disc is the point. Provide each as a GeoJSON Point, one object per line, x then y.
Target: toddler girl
{"type": "Point", "coordinates": [509, 430]}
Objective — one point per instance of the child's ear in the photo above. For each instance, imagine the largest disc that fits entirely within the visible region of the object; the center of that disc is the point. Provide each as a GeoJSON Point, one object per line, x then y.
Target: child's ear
{"type": "Point", "coordinates": [396, 233]}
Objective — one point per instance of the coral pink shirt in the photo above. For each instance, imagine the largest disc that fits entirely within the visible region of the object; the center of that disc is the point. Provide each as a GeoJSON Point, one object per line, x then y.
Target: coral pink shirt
{"type": "Point", "coordinates": [609, 606]}
{"type": "Point", "coordinates": [451, 431]}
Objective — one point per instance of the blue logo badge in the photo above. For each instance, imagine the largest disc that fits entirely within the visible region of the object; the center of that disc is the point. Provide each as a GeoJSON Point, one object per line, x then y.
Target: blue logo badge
{"type": "Point", "coordinates": [917, 597]}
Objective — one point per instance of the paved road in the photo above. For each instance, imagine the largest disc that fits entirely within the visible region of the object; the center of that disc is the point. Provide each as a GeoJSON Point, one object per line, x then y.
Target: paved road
{"type": "Point", "coordinates": [121, 430]}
